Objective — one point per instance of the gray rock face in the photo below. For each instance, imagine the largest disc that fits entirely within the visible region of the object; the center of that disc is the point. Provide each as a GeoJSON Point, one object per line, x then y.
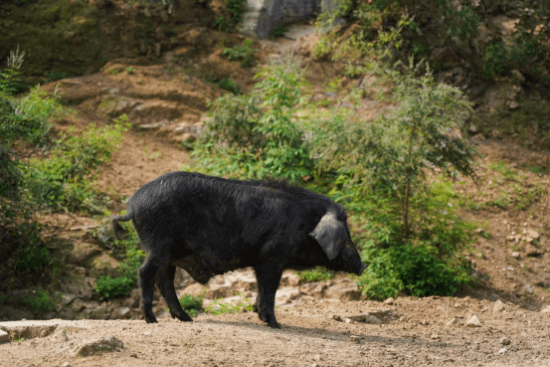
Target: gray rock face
{"type": "Point", "coordinates": [263, 16]}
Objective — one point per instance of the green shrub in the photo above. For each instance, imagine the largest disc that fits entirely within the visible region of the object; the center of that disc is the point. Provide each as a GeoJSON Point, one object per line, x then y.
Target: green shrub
{"type": "Point", "coordinates": [234, 10]}
{"type": "Point", "coordinates": [191, 304]}
{"type": "Point", "coordinates": [108, 287]}
{"type": "Point", "coordinates": [61, 181]}
{"type": "Point", "coordinates": [496, 60]}
{"type": "Point", "coordinates": [316, 275]}
{"type": "Point", "coordinates": [131, 256]}
{"type": "Point", "coordinates": [254, 136]}
{"type": "Point", "coordinates": [219, 308]}
{"type": "Point", "coordinates": [230, 85]}
{"type": "Point", "coordinates": [244, 54]}
{"type": "Point", "coordinates": [33, 258]}
{"type": "Point", "coordinates": [40, 302]}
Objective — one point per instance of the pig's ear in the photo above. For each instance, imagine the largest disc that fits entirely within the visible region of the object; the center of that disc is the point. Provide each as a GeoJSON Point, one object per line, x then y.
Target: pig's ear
{"type": "Point", "coordinates": [331, 234]}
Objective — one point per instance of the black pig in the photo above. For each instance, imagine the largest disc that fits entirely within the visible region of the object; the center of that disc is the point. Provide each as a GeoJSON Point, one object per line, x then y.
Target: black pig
{"type": "Point", "coordinates": [209, 225]}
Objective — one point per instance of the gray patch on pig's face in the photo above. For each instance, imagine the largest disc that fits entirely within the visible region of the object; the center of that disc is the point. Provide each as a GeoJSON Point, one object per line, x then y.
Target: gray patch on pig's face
{"type": "Point", "coordinates": [330, 234]}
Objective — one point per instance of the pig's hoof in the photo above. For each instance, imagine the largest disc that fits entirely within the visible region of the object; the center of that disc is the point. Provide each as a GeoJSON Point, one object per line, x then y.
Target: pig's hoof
{"type": "Point", "coordinates": [150, 320]}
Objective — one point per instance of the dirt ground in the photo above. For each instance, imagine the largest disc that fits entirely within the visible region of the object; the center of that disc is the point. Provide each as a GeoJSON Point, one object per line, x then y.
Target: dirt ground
{"type": "Point", "coordinates": [420, 332]}
{"type": "Point", "coordinates": [166, 105]}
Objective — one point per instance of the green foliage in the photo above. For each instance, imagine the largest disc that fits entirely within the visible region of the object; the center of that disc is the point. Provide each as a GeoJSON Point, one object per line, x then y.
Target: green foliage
{"type": "Point", "coordinates": [108, 287]}
{"type": "Point", "coordinates": [31, 259]}
{"type": "Point", "coordinates": [61, 181]}
{"type": "Point", "coordinates": [22, 253]}
{"type": "Point", "coordinates": [8, 76]}
{"type": "Point", "coordinates": [191, 304]}
{"type": "Point", "coordinates": [316, 275]}
{"type": "Point", "coordinates": [430, 262]}
{"type": "Point", "coordinates": [254, 136]}
{"type": "Point", "coordinates": [495, 61]}
{"type": "Point", "coordinates": [390, 155]}
{"type": "Point", "coordinates": [244, 54]}
{"type": "Point", "coordinates": [40, 302]}
{"type": "Point", "coordinates": [230, 85]}
{"type": "Point", "coordinates": [234, 9]}
{"type": "Point", "coordinates": [131, 256]}
{"type": "Point", "coordinates": [280, 31]}
{"type": "Point", "coordinates": [219, 308]}
{"type": "Point", "coordinates": [55, 75]}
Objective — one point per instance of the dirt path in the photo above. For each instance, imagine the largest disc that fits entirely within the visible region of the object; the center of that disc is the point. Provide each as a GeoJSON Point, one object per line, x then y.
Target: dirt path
{"type": "Point", "coordinates": [418, 335]}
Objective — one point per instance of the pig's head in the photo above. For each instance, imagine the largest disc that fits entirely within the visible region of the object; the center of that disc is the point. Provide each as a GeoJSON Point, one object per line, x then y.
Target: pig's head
{"type": "Point", "coordinates": [333, 236]}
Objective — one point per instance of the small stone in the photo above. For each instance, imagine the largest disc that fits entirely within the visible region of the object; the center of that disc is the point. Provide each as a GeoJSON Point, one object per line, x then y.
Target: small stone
{"type": "Point", "coordinates": [452, 322]}
{"type": "Point", "coordinates": [502, 350]}
{"type": "Point", "coordinates": [4, 337]}
{"type": "Point", "coordinates": [528, 289]}
{"type": "Point", "coordinates": [370, 319]}
{"type": "Point", "coordinates": [474, 321]}
{"type": "Point", "coordinates": [545, 309]}
{"type": "Point", "coordinates": [505, 341]}
{"type": "Point", "coordinates": [66, 364]}
{"type": "Point", "coordinates": [499, 306]}
{"type": "Point", "coordinates": [472, 129]}
{"type": "Point", "coordinates": [532, 233]}
{"type": "Point", "coordinates": [457, 305]}
{"type": "Point", "coordinates": [513, 105]}
{"type": "Point", "coordinates": [99, 346]}
{"type": "Point", "coordinates": [434, 336]}
{"type": "Point", "coordinates": [123, 313]}
{"type": "Point", "coordinates": [337, 317]}
{"type": "Point", "coordinates": [317, 357]}
{"type": "Point", "coordinates": [515, 255]}
{"type": "Point", "coordinates": [389, 301]}
{"type": "Point", "coordinates": [355, 339]}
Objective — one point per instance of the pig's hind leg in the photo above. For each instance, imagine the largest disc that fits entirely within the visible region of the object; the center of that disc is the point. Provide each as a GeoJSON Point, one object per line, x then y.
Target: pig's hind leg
{"type": "Point", "coordinates": [165, 282]}
{"type": "Point", "coordinates": [268, 277]}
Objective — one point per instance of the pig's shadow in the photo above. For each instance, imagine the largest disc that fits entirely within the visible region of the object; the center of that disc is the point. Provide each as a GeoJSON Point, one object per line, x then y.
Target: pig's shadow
{"type": "Point", "coordinates": [366, 338]}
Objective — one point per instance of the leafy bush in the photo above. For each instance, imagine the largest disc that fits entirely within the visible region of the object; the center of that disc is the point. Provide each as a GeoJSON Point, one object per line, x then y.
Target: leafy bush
{"type": "Point", "coordinates": [244, 53]}
{"type": "Point", "coordinates": [108, 287]}
{"type": "Point", "coordinates": [131, 256]}
{"type": "Point", "coordinates": [254, 136]}
{"type": "Point", "coordinates": [191, 304]}
{"type": "Point", "coordinates": [40, 302]}
{"type": "Point", "coordinates": [315, 275]}
{"type": "Point", "coordinates": [230, 85]}
{"type": "Point", "coordinates": [62, 180]}
{"type": "Point", "coordinates": [219, 308]}
{"type": "Point", "coordinates": [234, 9]}
{"type": "Point", "coordinates": [22, 253]}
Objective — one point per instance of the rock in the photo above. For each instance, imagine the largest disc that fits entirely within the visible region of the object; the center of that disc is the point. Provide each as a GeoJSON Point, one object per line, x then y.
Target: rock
{"type": "Point", "coordinates": [533, 251]}
{"type": "Point", "coordinates": [545, 309]}
{"type": "Point", "coordinates": [27, 329]}
{"type": "Point", "coordinates": [335, 292]}
{"type": "Point", "coordinates": [4, 337]}
{"type": "Point", "coordinates": [528, 289]}
{"type": "Point", "coordinates": [515, 255]}
{"type": "Point", "coordinates": [452, 322]}
{"type": "Point", "coordinates": [474, 321]}
{"type": "Point", "coordinates": [502, 350]}
{"type": "Point", "coordinates": [472, 129]}
{"type": "Point", "coordinates": [291, 280]}
{"type": "Point", "coordinates": [505, 341]}
{"type": "Point", "coordinates": [339, 318]}
{"type": "Point", "coordinates": [389, 301]}
{"type": "Point", "coordinates": [434, 336]}
{"type": "Point", "coordinates": [512, 105]}
{"type": "Point", "coordinates": [99, 346]}
{"type": "Point", "coordinates": [532, 233]}
{"type": "Point", "coordinates": [355, 339]}
{"type": "Point", "coordinates": [499, 306]}
{"type": "Point", "coordinates": [517, 76]}
{"type": "Point", "coordinates": [122, 313]}
{"type": "Point", "coordinates": [66, 364]}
